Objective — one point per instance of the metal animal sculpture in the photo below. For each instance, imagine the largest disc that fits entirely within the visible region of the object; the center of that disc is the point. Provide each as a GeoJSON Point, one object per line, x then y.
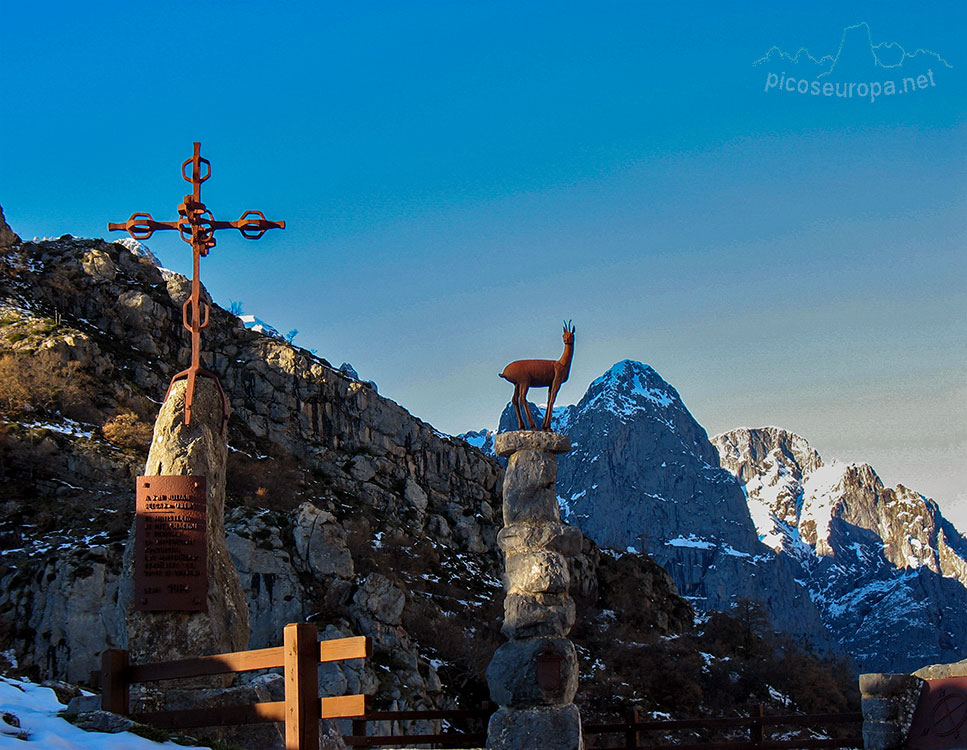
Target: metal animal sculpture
{"type": "Point", "coordinates": [540, 373]}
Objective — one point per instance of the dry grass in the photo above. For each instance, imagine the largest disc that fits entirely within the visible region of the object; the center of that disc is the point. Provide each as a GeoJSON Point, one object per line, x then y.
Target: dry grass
{"type": "Point", "coordinates": [128, 430]}
{"type": "Point", "coordinates": [31, 384]}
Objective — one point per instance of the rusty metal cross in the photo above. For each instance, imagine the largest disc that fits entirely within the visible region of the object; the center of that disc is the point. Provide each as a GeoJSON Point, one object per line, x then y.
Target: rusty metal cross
{"type": "Point", "coordinates": [197, 227]}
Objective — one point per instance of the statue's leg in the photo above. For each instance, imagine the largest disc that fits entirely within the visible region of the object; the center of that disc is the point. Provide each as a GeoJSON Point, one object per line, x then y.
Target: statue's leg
{"type": "Point", "coordinates": [516, 400]}
{"type": "Point", "coordinates": [551, 395]}
{"type": "Point", "coordinates": [527, 411]}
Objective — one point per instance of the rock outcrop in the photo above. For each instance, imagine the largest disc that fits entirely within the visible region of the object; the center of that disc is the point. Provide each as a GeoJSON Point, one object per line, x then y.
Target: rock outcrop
{"type": "Point", "coordinates": [7, 236]}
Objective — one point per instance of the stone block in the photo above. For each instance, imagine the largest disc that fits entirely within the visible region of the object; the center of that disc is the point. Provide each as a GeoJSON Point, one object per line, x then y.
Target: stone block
{"type": "Point", "coordinates": [880, 736]}
{"type": "Point", "coordinates": [879, 709]}
{"type": "Point", "coordinates": [83, 704]}
{"type": "Point", "coordinates": [381, 598]}
{"type": "Point", "coordinates": [529, 615]}
{"type": "Point", "coordinates": [530, 470]}
{"type": "Point", "coordinates": [508, 443]}
{"type": "Point", "coordinates": [320, 542]}
{"type": "Point", "coordinates": [537, 573]}
{"type": "Point", "coordinates": [103, 721]}
{"type": "Point", "coordinates": [943, 671]}
{"type": "Point", "coordinates": [195, 449]}
{"type": "Point", "coordinates": [531, 507]}
{"type": "Point", "coordinates": [414, 495]}
{"type": "Point", "coordinates": [512, 673]}
{"type": "Point", "coordinates": [529, 485]}
{"type": "Point", "coordinates": [879, 684]}
{"type": "Point", "coordinates": [555, 728]}
{"type": "Point", "coordinates": [553, 536]}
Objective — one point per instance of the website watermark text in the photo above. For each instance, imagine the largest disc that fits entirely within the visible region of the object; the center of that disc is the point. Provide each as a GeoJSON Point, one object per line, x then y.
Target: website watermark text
{"type": "Point", "coordinates": [848, 90]}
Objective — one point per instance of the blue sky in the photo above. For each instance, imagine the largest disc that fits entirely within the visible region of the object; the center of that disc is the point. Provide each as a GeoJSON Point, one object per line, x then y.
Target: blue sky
{"type": "Point", "coordinates": [457, 179]}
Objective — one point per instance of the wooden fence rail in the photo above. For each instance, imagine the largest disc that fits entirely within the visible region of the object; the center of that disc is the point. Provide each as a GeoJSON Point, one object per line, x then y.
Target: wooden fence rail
{"type": "Point", "coordinates": [299, 657]}
{"type": "Point", "coordinates": [633, 727]}
{"type": "Point", "coordinates": [359, 738]}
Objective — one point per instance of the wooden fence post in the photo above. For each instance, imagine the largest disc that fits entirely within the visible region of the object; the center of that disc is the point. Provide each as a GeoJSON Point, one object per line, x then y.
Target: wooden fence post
{"type": "Point", "coordinates": [359, 730]}
{"type": "Point", "coordinates": [302, 706]}
{"type": "Point", "coordinates": [632, 736]}
{"type": "Point", "coordinates": [114, 681]}
{"type": "Point", "coordinates": [756, 734]}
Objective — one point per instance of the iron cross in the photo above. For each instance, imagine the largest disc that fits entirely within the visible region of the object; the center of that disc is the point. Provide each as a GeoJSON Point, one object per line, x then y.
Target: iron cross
{"type": "Point", "coordinates": [197, 227]}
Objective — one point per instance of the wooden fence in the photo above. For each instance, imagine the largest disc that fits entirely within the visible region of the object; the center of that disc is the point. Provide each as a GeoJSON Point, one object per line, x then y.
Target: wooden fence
{"type": "Point", "coordinates": [441, 740]}
{"type": "Point", "coordinates": [631, 731]}
{"type": "Point", "coordinates": [302, 652]}
{"type": "Point", "coordinates": [756, 723]}
{"type": "Point", "coordinates": [299, 657]}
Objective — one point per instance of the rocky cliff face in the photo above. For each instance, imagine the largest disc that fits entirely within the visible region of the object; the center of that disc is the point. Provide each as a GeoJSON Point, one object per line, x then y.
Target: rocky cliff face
{"type": "Point", "coordinates": [343, 508]}
{"type": "Point", "coordinates": [7, 236]}
{"type": "Point", "coordinates": [643, 476]}
{"type": "Point", "coordinates": [886, 569]}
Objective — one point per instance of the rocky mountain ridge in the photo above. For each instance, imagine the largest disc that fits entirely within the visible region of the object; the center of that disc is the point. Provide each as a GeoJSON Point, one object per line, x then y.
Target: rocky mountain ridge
{"type": "Point", "coordinates": [882, 568]}
{"type": "Point", "coordinates": [886, 569]}
{"type": "Point", "coordinates": [344, 509]}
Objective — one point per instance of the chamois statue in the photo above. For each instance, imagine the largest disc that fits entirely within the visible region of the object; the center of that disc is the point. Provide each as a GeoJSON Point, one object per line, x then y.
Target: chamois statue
{"type": "Point", "coordinates": [540, 373]}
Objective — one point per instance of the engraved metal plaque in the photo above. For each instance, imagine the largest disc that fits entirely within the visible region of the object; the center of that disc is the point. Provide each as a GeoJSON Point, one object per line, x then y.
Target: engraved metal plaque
{"type": "Point", "coordinates": [940, 720]}
{"type": "Point", "coordinates": [170, 547]}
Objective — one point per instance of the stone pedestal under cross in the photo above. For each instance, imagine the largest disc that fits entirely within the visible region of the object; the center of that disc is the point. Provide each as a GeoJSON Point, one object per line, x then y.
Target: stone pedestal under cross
{"type": "Point", "coordinates": [198, 449]}
{"type": "Point", "coordinates": [534, 676]}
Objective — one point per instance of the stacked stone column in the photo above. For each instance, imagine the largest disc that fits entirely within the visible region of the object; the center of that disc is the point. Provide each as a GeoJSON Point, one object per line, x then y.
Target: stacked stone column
{"type": "Point", "coordinates": [534, 676]}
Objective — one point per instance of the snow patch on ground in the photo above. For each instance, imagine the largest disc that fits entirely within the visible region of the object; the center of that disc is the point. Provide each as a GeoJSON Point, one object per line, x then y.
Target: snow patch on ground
{"type": "Point", "coordinates": [65, 427]}
{"type": "Point", "coordinates": [36, 709]}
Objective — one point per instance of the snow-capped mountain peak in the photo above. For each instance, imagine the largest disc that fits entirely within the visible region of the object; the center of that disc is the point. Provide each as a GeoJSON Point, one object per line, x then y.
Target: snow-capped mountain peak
{"type": "Point", "coordinates": [628, 388]}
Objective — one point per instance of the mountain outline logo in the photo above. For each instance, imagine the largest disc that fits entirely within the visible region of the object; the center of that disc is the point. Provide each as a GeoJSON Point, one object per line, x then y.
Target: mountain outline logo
{"type": "Point", "coordinates": [860, 68]}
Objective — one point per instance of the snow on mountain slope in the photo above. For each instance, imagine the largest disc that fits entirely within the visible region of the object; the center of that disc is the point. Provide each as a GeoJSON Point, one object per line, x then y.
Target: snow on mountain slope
{"type": "Point", "coordinates": [886, 569]}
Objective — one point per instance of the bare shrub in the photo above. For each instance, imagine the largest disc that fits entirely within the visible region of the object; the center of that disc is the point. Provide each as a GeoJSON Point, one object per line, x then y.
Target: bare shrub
{"type": "Point", "coordinates": [128, 430]}
{"type": "Point", "coordinates": [269, 482]}
{"type": "Point", "coordinates": [39, 384]}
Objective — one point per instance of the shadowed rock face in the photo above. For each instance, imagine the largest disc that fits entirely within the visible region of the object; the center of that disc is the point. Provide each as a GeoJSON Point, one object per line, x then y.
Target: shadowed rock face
{"type": "Point", "coordinates": [7, 236]}
{"type": "Point", "coordinates": [886, 569]}
{"type": "Point", "coordinates": [643, 475]}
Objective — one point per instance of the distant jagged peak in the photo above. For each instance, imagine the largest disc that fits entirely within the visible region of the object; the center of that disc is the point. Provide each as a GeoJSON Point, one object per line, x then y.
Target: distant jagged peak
{"type": "Point", "coordinates": [482, 440]}
{"type": "Point", "coordinates": [748, 452]}
{"type": "Point", "coordinates": [630, 387]}
{"type": "Point", "coordinates": [794, 498]}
